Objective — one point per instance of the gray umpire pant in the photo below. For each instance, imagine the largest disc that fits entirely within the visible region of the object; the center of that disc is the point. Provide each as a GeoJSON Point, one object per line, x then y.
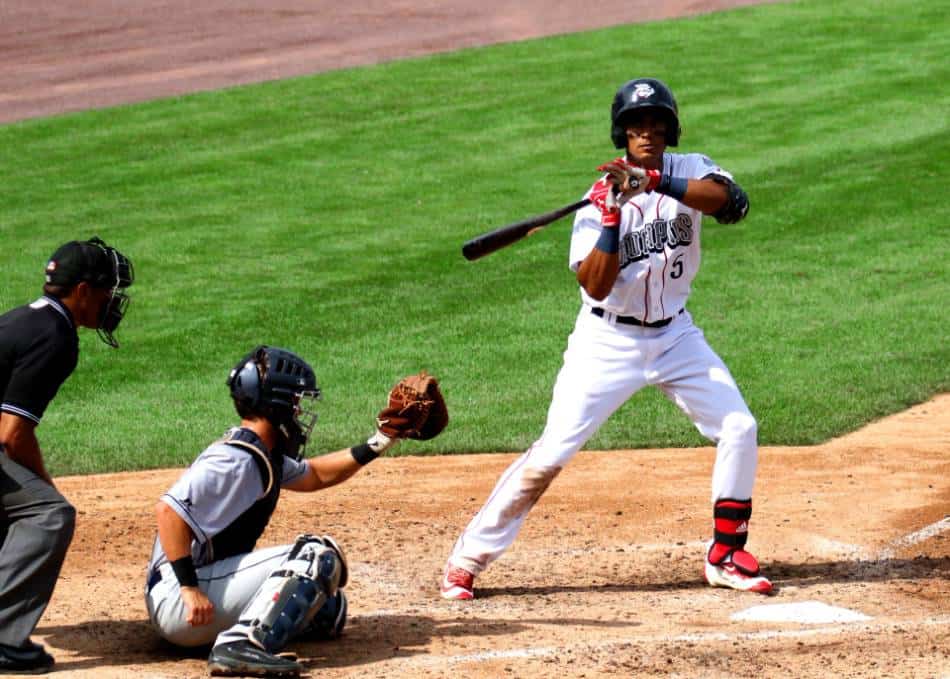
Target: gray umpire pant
{"type": "Point", "coordinates": [36, 527]}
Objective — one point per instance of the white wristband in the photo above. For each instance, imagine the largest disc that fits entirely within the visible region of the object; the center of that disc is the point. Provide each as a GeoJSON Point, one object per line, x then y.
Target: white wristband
{"type": "Point", "coordinates": [380, 443]}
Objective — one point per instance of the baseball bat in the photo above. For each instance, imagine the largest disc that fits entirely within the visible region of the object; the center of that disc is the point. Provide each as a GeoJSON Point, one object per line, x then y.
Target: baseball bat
{"type": "Point", "coordinates": [489, 242]}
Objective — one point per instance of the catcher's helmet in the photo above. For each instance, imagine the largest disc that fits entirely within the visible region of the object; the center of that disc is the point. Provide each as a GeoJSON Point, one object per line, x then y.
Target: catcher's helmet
{"type": "Point", "coordinates": [279, 386]}
{"type": "Point", "coordinates": [639, 94]}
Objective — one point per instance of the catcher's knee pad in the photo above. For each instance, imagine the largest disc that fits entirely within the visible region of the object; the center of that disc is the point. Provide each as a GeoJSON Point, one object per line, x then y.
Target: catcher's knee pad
{"type": "Point", "coordinates": [292, 595]}
{"type": "Point", "coordinates": [341, 559]}
{"type": "Point", "coordinates": [326, 557]}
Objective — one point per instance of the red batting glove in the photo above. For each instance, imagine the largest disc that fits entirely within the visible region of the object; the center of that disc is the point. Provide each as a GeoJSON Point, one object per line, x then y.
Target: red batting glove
{"type": "Point", "coordinates": [619, 171]}
{"type": "Point", "coordinates": [654, 179]}
{"type": "Point", "coordinates": [631, 180]}
{"type": "Point", "coordinates": [610, 217]}
{"type": "Point", "coordinates": [603, 197]}
{"type": "Point", "coordinates": [598, 193]}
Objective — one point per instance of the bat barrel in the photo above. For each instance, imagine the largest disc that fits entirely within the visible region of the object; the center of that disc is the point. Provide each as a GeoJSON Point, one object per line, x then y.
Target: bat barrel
{"type": "Point", "coordinates": [487, 243]}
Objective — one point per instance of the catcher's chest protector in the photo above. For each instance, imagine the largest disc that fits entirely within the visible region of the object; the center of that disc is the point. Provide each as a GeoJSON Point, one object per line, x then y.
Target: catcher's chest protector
{"type": "Point", "coordinates": [241, 536]}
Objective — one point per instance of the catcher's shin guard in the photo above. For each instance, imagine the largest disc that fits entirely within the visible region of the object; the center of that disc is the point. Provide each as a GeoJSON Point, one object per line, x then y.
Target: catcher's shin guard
{"type": "Point", "coordinates": [727, 562]}
{"type": "Point", "coordinates": [329, 621]}
{"type": "Point", "coordinates": [290, 597]}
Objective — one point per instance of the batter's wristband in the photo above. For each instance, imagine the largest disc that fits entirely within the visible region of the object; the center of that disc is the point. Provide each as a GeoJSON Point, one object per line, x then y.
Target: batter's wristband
{"type": "Point", "coordinates": [609, 240]}
{"type": "Point", "coordinates": [185, 571]}
{"type": "Point", "coordinates": [674, 187]}
{"type": "Point", "coordinates": [363, 453]}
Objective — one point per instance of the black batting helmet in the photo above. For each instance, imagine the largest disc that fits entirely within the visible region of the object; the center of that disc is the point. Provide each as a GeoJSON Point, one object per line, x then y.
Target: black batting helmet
{"type": "Point", "coordinates": [639, 94]}
{"type": "Point", "coordinates": [279, 386]}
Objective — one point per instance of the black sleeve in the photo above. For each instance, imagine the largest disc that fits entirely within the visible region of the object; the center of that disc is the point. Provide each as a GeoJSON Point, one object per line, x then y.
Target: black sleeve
{"type": "Point", "coordinates": [736, 206]}
{"type": "Point", "coordinates": [41, 366]}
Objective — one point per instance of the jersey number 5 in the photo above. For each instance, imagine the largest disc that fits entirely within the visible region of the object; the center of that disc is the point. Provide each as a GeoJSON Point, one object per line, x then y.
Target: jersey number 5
{"type": "Point", "coordinates": [677, 269]}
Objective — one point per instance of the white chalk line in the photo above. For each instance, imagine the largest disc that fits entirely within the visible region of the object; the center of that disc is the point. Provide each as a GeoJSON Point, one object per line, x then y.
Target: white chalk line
{"type": "Point", "coordinates": [698, 637]}
{"type": "Point", "coordinates": [889, 550]}
{"type": "Point", "coordinates": [925, 533]}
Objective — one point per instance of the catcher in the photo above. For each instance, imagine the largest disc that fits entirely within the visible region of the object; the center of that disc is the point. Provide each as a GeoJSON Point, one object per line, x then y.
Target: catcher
{"type": "Point", "coordinates": [206, 583]}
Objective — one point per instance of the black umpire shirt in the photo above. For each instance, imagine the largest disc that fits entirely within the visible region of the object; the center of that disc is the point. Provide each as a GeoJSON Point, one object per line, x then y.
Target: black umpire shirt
{"type": "Point", "coordinates": [39, 349]}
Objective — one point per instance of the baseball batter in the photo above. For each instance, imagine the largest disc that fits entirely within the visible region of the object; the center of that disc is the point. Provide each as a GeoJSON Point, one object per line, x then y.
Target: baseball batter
{"type": "Point", "coordinates": [635, 251]}
{"type": "Point", "coordinates": [205, 581]}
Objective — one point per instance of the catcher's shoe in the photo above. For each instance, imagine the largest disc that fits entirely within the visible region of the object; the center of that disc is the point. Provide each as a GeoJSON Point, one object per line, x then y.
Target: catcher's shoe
{"type": "Point", "coordinates": [244, 659]}
{"type": "Point", "coordinates": [457, 583]}
{"type": "Point", "coordinates": [736, 569]}
{"type": "Point", "coordinates": [29, 658]}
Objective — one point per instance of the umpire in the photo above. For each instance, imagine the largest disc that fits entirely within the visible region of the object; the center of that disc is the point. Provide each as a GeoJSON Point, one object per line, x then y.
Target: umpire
{"type": "Point", "coordinates": [39, 347]}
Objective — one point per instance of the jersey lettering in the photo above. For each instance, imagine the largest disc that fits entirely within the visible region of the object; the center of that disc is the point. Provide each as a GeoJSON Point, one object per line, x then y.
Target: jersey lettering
{"type": "Point", "coordinates": [654, 237]}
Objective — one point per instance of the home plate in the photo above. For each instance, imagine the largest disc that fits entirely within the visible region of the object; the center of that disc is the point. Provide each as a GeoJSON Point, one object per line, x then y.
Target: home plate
{"type": "Point", "coordinates": [809, 612]}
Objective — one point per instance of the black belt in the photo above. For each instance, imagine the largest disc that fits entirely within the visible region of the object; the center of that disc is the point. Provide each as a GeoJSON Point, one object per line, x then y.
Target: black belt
{"type": "Point", "coordinates": [633, 320]}
{"type": "Point", "coordinates": [154, 578]}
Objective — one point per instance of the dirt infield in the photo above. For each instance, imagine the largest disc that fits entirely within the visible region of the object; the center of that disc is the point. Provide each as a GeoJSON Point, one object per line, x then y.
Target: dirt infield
{"type": "Point", "coordinates": [605, 578]}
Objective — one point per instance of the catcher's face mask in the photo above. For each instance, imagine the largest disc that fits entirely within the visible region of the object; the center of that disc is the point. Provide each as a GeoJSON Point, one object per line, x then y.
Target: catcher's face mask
{"type": "Point", "coordinates": [302, 422]}
{"type": "Point", "coordinates": [115, 307]}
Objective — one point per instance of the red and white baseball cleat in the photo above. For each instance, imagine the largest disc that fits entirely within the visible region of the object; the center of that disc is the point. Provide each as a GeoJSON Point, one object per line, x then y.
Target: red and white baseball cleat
{"type": "Point", "coordinates": [737, 570]}
{"type": "Point", "coordinates": [457, 583]}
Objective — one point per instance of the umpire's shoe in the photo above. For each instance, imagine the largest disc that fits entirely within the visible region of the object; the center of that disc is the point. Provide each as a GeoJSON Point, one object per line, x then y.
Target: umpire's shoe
{"type": "Point", "coordinates": [244, 659]}
{"type": "Point", "coordinates": [29, 658]}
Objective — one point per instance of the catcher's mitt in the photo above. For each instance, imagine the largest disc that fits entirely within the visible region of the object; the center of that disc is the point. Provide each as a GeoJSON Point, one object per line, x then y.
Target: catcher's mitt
{"type": "Point", "coordinates": [416, 409]}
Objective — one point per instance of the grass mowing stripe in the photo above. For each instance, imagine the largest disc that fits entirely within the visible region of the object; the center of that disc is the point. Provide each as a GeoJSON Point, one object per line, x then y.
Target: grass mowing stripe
{"type": "Point", "coordinates": [326, 213]}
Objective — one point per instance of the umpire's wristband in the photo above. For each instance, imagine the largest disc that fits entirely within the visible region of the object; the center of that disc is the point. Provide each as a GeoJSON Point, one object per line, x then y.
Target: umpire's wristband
{"type": "Point", "coordinates": [185, 571]}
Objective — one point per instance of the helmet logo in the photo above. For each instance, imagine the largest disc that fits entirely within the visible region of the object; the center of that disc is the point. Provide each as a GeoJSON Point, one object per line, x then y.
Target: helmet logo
{"type": "Point", "coordinates": [642, 91]}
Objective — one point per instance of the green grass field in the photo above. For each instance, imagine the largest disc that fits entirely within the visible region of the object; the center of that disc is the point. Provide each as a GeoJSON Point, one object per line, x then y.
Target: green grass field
{"type": "Point", "coordinates": [326, 214]}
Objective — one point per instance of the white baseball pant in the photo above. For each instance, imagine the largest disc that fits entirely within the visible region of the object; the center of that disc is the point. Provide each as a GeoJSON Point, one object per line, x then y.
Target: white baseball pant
{"type": "Point", "coordinates": [604, 365]}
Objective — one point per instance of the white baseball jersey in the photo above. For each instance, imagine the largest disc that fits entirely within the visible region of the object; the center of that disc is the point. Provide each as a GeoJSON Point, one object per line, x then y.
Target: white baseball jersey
{"type": "Point", "coordinates": [659, 246]}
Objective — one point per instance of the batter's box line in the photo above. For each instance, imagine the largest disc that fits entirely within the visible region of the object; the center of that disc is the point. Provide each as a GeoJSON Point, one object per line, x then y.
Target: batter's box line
{"type": "Point", "coordinates": [859, 552]}
{"type": "Point", "coordinates": [914, 538]}
{"type": "Point", "coordinates": [698, 637]}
